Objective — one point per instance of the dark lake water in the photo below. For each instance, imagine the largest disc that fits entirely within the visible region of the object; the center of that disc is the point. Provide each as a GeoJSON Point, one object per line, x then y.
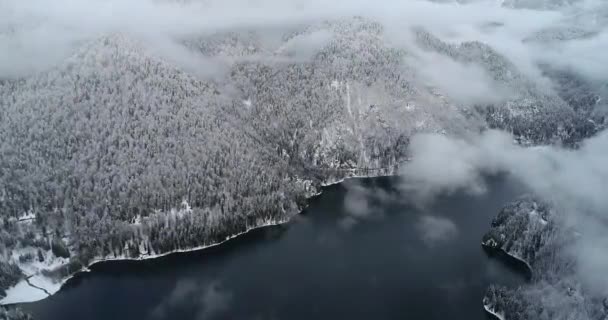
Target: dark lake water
{"type": "Point", "coordinates": [360, 251]}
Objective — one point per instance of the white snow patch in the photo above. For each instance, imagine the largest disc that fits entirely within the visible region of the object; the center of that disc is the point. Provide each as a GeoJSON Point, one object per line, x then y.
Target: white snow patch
{"type": "Point", "coordinates": [45, 283]}
{"type": "Point", "coordinates": [27, 216]}
{"type": "Point", "coordinates": [538, 217]}
{"type": "Point", "coordinates": [335, 84]}
{"type": "Point", "coordinates": [22, 292]}
{"type": "Point", "coordinates": [348, 103]}
{"type": "Point", "coordinates": [137, 220]}
{"type": "Point", "coordinates": [34, 266]}
{"type": "Point", "coordinates": [489, 310]}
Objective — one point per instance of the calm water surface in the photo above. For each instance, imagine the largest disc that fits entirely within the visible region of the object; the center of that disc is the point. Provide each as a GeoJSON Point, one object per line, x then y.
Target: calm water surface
{"type": "Point", "coordinates": [360, 251]}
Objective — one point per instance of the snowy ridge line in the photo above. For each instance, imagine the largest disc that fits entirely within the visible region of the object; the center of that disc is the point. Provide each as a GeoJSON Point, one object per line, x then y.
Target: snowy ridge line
{"type": "Point", "coordinates": [493, 313]}
{"type": "Point", "coordinates": [8, 300]}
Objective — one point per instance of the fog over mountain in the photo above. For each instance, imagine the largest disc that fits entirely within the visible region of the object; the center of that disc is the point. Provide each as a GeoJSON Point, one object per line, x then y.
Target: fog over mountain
{"type": "Point", "coordinates": [140, 127]}
{"type": "Point", "coordinates": [572, 181]}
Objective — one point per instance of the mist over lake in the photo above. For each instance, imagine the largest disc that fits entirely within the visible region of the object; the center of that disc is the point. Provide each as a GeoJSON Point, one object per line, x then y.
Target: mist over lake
{"type": "Point", "coordinates": [360, 250]}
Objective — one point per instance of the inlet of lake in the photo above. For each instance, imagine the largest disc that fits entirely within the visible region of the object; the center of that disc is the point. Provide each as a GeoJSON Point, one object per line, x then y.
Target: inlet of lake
{"type": "Point", "coordinates": [361, 250]}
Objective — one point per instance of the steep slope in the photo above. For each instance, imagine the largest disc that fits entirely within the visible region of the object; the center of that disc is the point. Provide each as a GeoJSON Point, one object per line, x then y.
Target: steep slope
{"type": "Point", "coordinates": [113, 136]}
{"type": "Point", "coordinates": [534, 115]}
{"type": "Point", "coordinates": [116, 154]}
{"type": "Point", "coordinates": [351, 106]}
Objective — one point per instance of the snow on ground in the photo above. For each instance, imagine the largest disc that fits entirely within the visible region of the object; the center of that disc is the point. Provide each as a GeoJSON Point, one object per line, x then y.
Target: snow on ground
{"type": "Point", "coordinates": [34, 266]}
{"type": "Point", "coordinates": [27, 292]}
{"type": "Point", "coordinates": [489, 310]}
{"type": "Point", "coordinates": [22, 292]}
{"type": "Point", "coordinates": [27, 216]}
{"type": "Point", "coordinates": [535, 215]}
{"type": "Point", "coordinates": [48, 284]}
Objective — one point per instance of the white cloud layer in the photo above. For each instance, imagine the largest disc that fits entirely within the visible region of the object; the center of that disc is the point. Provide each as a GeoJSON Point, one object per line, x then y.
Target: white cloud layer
{"type": "Point", "coordinates": [436, 230]}
{"type": "Point", "coordinates": [575, 180]}
{"type": "Point", "coordinates": [37, 34]}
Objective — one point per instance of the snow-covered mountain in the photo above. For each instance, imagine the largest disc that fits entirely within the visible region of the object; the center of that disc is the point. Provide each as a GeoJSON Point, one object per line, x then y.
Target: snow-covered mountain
{"type": "Point", "coordinates": [533, 114]}
{"type": "Point", "coordinates": [117, 152]}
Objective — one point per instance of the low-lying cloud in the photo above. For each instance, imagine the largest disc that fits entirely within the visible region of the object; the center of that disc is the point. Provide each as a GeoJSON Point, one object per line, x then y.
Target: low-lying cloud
{"type": "Point", "coordinates": [465, 84]}
{"type": "Point", "coordinates": [356, 202]}
{"type": "Point", "coordinates": [209, 300]}
{"type": "Point", "coordinates": [361, 203]}
{"type": "Point", "coordinates": [574, 180]}
{"type": "Point", "coordinates": [442, 164]}
{"type": "Point", "coordinates": [435, 230]}
{"type": "Point", "coordinates": [38, 34]}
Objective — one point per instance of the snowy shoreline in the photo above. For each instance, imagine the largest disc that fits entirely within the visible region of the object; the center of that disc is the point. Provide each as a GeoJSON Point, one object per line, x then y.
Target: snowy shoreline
{"type": "Point", "coordinates": [25, 292]}
{"type": "Point", "coordinates": [510, 255]}
{"type": "Point", "coordinates": [29, 292]}
{"type": "Point", "coordinates": [37, 287]}
{"type": "Point", "coordinates": [493, 313]}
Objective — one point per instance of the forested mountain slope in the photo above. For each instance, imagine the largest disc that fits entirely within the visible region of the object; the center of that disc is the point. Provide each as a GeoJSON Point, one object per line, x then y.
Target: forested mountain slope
{"type": "Point", "coordinates": [113, 136]}
{"type": "Point", "coordinates": [534, 115]}
{"type": "Point", "coordinates": [117, 153]}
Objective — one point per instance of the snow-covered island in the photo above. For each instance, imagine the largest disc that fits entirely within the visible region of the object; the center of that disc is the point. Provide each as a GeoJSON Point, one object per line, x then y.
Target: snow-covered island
{"type": "Point", "coordinates": [529, 230]}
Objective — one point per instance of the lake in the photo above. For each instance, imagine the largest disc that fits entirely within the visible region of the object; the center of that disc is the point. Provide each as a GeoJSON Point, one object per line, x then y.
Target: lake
{"type": "Point", "coordinates": [361, 250]}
